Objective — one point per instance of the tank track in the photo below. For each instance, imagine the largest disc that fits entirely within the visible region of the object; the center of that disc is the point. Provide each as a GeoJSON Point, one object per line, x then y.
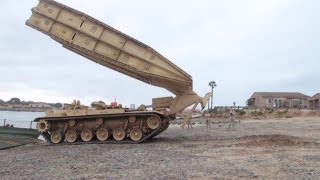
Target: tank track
{"type": "Point", "coordinates": [164, 124]}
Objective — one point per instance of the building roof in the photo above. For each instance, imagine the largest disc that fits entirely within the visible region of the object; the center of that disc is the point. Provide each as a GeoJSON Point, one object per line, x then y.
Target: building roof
{"type": "Point", "coordinates": [315, 97]}
{"type": "Point", "coordinates": [289, 95]}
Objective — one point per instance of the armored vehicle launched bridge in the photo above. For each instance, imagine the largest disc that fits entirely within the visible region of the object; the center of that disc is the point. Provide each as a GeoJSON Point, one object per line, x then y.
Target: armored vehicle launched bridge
{"type": "Point", "coordinates": [113, 49]}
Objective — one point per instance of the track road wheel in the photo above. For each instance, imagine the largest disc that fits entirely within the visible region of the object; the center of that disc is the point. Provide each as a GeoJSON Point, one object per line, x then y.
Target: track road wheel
{"type": "Point", "coordinates": [136, 134]}
{"type": "Point", "coordinates": [86, 135]}
{"type": "Point", "coordinates": [119, 134]}
{"type": "Point", "coordinates": [102, 134]}
{"type": "Point", "coordinates": [56, 137]}
{"type": "Point", "coordinates": [71, 136]}
{"type": "Point", "coordinates": [153, 122]}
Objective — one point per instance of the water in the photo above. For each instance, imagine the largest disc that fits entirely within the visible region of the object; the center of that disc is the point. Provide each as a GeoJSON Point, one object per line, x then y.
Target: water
{"type": "Point", "coordinates": [20, 119]}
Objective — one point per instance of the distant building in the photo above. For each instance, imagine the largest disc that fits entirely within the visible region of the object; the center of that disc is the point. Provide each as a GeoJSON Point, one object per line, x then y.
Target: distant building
{"type": "Point", "coordinates": [315, 102]}
{"type": "Point", "coordinates": [279, 100]}
{"type": "Point", "coordinates": [132, 106]}
{"type": "Point", "coordinates": [40, 105]}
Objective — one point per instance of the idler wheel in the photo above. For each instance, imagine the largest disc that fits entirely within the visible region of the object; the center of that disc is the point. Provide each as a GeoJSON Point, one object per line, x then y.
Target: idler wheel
{"type": "Point", "coordinates": [71, 136]}
{"type": "Point", "coordinates": [136, 134]}
{"type": "Point", "coordinates": [119, 134]}
{"type": "Point", "coordinates": [153, 122]}
{"type": "Point", "coordinates": [56, 137]}
{"type": "Point", "coordinates": [86, 135]}
{"type": "Point", "coordinates": [43, 126]}
{"type": "Point", "coordinates": [102, 134]}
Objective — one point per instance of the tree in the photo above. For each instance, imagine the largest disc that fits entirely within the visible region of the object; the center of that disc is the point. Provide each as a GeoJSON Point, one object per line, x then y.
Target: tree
{"type": "Point", "coordinates": [14, 101]}
{"type": "Point", "coordinates": [57, 105]}
{"type": "Point", "coordinates": [250, 102]}
{"type": "Point", "coordinates": [212, 84]}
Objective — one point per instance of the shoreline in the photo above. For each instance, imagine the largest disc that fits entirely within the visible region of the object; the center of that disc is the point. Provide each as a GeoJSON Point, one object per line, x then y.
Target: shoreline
{"type": "Point", "coordinates": [24, 109]}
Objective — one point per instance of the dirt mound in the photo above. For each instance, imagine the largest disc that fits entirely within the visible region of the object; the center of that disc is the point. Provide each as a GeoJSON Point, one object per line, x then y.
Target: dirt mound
{"type": "Point", "coordinates": [276, 140]}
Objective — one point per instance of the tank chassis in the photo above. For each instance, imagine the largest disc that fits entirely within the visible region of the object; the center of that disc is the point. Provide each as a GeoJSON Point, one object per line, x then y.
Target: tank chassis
{"type": "Point", "coordinates": [113, 49]}
{"type": "Point", "coordinates": [96, 125]}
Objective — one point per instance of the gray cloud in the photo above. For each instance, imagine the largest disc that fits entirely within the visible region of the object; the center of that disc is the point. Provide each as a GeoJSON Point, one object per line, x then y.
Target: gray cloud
{"type": "Point", "coordinates": [247, 46]}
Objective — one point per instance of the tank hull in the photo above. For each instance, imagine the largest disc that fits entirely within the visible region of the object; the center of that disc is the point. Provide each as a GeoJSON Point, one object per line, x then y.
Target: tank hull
{"type": "Point", "coordinates": [128, 127]}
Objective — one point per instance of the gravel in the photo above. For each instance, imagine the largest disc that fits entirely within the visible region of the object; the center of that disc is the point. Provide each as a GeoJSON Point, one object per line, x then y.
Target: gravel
{"type": "Point", "coordinates": [264, 149]}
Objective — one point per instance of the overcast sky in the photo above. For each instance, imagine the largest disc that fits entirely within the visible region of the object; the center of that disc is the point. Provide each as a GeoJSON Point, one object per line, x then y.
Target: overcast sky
{"type": "Point", "coordinates": [245, 46]}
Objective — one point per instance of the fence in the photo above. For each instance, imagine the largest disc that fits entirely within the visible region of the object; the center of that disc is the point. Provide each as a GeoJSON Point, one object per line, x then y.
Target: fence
{"type": "Point", "coordinates": [231, 107]}
{"type": "Point", "coordinates": [18, 124]}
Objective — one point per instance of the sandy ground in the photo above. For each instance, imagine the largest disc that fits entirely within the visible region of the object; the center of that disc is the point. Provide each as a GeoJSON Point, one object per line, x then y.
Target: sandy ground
{"type": "Point", "coordinates": [263, 149]}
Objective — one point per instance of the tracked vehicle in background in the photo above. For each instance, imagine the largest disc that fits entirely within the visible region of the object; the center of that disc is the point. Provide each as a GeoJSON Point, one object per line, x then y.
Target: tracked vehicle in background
{"type": "Point", "coordinates": [113, 49]}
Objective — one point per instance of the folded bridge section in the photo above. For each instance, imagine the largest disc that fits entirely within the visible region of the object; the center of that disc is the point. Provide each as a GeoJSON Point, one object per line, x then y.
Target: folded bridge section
{"type": "Point", "coordinates": [111, 48]}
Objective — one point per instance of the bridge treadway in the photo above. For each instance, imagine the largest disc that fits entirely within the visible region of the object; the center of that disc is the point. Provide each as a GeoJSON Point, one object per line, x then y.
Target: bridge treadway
{"type": "Point", "coordinates": [13, 137]}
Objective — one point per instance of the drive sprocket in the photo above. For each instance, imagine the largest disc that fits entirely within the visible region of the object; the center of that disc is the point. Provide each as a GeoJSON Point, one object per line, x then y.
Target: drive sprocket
{"type": "Point", "coordinates": [43, 126]}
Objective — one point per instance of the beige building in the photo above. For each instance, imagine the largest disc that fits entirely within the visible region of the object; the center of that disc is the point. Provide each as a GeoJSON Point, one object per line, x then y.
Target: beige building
{"type": "Point", "coordinates": [315, 102]}
{"type": "Point", "coordinates": [40, 105]}
{"type": "Point", "coordinates": [279, 100]}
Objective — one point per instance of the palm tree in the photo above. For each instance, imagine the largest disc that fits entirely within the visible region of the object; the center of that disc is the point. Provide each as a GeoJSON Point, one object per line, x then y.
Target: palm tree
{"type": "Point", "coordinates": [212, 84]}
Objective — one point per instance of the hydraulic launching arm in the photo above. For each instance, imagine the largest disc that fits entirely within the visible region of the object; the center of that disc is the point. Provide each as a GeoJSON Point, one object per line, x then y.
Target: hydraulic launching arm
{"type": "Point", "coordinates": [111, 48]}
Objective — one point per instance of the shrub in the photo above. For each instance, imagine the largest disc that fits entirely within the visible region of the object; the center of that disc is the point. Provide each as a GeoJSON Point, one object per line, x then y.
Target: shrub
{"type": "Point", "coordinates": [260, 113]}
{"type": "Point", "coordinates": [270, 110]}
{"type": "Point", "coordinates": [282, 112]}
{"type": "Point", "coordinates": [257, 113]}
{"type": "Point", "coordinates": [241, 112]}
